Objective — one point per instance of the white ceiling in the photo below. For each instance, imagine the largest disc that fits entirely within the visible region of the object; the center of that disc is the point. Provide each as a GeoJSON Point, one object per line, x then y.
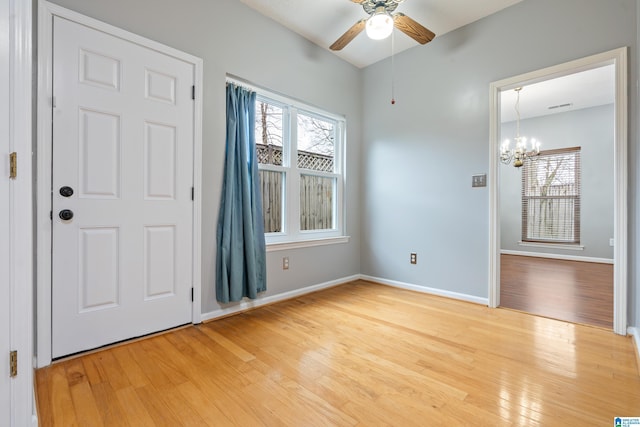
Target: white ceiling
{"type": "Point", "coordinates": [580, 90]}
{"type": "Point", "coordinates": [323, 21]}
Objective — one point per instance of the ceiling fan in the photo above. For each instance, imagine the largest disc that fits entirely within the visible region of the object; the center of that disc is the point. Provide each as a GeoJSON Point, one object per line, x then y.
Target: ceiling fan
{"type": "Point", "coordinates": [380, 23]}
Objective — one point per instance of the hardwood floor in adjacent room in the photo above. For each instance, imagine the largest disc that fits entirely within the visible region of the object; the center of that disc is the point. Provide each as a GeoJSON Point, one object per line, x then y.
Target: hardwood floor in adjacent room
{"type": "Point", "coordinates": [359, 354]}
{"type": "Point", "coordinates": [579, 292]}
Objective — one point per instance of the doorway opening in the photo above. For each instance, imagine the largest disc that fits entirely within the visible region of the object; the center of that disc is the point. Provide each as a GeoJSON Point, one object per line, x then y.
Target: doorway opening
{"type": "Point", "coordinates": [547, 274]}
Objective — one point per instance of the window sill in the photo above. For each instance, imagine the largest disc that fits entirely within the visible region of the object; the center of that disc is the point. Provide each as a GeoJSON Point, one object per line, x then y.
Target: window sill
{"type": "Point", "coordinates": [282, 246]}
{"type": "Point", "coordinates": [553, 246]}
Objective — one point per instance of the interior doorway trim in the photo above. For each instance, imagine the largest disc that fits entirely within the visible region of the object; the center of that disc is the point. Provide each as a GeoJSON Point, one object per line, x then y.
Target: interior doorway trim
{"type": "Point", "coordinates": [46, 12]}
{"type": "Point", "coordinates": [20, 276]}
{"type": "Point", "coordinates": [618, 58]}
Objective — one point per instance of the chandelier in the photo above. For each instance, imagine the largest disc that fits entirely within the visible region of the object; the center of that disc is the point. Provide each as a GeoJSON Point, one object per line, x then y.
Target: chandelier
{"type": "Point", "coordinates": [518, 153]}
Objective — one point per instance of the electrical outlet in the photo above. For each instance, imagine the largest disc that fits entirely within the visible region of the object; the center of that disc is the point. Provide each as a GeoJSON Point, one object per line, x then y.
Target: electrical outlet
{"type": "Point", "coordinates": [611, 242]}
{"type": "Point", "coordinates": [285, 263]}
{"type": "Point", "coordinates": [413, 258]}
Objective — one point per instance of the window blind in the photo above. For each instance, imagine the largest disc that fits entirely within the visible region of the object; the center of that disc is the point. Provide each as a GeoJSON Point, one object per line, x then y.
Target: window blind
{"type": "Point", "coordinates": [551, 197]}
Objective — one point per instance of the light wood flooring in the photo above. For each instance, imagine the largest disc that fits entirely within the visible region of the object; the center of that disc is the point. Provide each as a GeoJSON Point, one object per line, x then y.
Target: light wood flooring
{"type": "Point", "coordinates": [579, 292]}
{"type": "Point", "coordinates": [360, 354]}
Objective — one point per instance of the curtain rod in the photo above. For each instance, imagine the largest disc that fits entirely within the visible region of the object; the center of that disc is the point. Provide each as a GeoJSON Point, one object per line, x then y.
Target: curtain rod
{"type": "Point", "coordinates": [280, 97]}
{"type": "Point", "coordinates": [230, 78]}
{"type": "Point", "coordinates": [242, 83]}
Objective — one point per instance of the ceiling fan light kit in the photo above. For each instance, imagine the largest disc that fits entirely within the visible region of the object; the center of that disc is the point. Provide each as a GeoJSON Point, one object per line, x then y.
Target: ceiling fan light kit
{"type": "Point", "coordinates": [380, 25]}
{"type": "Point", "coordinates": [381, 22]}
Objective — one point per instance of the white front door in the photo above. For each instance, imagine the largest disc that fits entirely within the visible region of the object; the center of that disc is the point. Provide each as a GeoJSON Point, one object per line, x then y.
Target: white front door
{"type": "Point", "coordinates": [123, 140]}
{"type": "Point", "coordinates": [5, 290]}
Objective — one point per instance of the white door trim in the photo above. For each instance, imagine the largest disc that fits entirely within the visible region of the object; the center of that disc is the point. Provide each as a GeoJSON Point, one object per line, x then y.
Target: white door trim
{"type": "Point", "coordinates": [617, 57]}
{"type": "Point", "coordinates": [20, 214]}
{"type": "Point", "coordinates": [46, 12]}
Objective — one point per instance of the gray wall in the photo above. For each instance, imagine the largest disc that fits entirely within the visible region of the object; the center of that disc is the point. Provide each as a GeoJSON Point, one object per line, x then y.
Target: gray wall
{"type": "Point", "coordinates": [419, 154]}
{"type": "Point", "coordinates": [234, 39]}
{"type": "Point", "coordinates": [592, 130]}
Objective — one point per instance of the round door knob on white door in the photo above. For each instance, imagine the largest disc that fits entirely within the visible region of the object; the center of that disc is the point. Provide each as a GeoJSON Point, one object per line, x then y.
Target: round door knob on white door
{"type": "Point", "coordinates": [66, 214]}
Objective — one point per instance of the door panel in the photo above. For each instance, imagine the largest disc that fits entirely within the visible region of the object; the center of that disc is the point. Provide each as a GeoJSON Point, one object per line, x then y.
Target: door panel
{"type": "Point", "coordinates": [159, 261]}
{"type": "Point", "coordinates": [159, 162]}
{"type": "Point", "coordinates": [123, 141]}
{"type": "Point", "coordinates": [99, 154]}
{"type": "Point", "coordinates": [99, 266]}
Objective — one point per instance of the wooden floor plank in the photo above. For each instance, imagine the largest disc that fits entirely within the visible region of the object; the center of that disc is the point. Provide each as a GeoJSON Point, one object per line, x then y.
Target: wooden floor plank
{"type": "Point", "coordinates": [136, 411]}
{"type": "Point", "coordinates": [360, 354]}
{"type": "Point", "coordinates": [62, 410]}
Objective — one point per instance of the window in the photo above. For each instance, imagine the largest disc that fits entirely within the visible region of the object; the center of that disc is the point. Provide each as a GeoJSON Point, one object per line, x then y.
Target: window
{"type": "Point", "coordinates": [301, 176]}
{"type": "Point", "coordinates": [551, 197]}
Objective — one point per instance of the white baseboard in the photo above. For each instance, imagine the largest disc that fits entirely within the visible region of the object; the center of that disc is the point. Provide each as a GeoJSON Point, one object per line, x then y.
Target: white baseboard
{"type": "Point", "coordinates": [558, 256]}
{"type": "Point", "coordinates": [427, 290]}
{"type": "Point", "coordinates": [635, 335]}
{"type": "Point", "coordinates": [34, 402]}
{"type": "Point", "coordinates": [250, 304]}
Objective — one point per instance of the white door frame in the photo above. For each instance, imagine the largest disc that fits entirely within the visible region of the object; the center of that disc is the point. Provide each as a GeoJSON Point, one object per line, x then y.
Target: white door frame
{"type": "Point", "coordinates": [20, 214]}
{"type": "Point", "coordinates": [46, 12]}
{"type": "Point", "coordinates": [618, 58]}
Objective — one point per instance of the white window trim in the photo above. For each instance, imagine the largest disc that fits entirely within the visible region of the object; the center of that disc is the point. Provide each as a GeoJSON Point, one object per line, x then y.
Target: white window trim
{"type": "Point", "coordinates": [292, 236]}
{"type": "Point", "coordinates": [283, 246]}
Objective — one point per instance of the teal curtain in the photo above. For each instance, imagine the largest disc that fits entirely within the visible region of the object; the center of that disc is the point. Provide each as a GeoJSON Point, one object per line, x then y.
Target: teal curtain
{"type": "Point", "coordinates": [241, 256]}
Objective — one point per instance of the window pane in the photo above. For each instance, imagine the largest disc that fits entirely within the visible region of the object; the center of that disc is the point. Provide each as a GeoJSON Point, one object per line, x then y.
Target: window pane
{"type": "Point", "coordinates": [269, 133]}
{"type": "Point", "coordinates": [316, 202]}
{"type": "Point", "coordinates": [271, 184]}
{"type": "Point", "coordinates": [316, 139]}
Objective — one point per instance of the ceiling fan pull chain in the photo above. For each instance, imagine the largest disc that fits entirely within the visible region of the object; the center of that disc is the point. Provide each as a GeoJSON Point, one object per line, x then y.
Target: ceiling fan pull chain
{"type": "Point", "coordinates": [393, 68]}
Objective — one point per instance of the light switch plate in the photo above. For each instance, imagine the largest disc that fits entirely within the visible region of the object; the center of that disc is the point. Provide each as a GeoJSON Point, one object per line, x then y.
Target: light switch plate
{"type": "Point", "coordinates": [479, 180]}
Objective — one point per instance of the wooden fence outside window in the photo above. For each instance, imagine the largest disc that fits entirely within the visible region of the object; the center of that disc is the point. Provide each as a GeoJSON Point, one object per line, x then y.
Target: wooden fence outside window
{"type": "Point", "coordinates": [316, 192]}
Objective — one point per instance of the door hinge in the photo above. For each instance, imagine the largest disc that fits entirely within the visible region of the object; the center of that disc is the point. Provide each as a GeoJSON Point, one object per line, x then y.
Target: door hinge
{"type": "Point", "coordinates": [13, 165]}
{"type": "Point", "coordinates": [191, 294]}
{"type": "Point", "coordinates": [193, 92]}
{"type": "Point", "coordinates": [13, 363]}
{"type": "Point", "coordinates": [192, 193]}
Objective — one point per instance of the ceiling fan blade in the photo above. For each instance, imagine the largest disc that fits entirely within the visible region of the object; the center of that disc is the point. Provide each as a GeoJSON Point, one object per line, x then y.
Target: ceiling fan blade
{"type": "Point", "coordinates": [349, 35]}
{"type": "Point", "coordinates": [411, 28]}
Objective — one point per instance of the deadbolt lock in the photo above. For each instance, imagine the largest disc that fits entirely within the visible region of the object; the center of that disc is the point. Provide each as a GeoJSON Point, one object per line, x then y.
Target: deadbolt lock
{"type": "Point", "coordinates": [66, 191]}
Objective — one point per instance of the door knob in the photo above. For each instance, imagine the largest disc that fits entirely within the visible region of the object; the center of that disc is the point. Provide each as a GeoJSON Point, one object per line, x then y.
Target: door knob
{"type": "Point", "coordinates": [66, 214]}
{"type": "Point", "coordinates": [66, 191]}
